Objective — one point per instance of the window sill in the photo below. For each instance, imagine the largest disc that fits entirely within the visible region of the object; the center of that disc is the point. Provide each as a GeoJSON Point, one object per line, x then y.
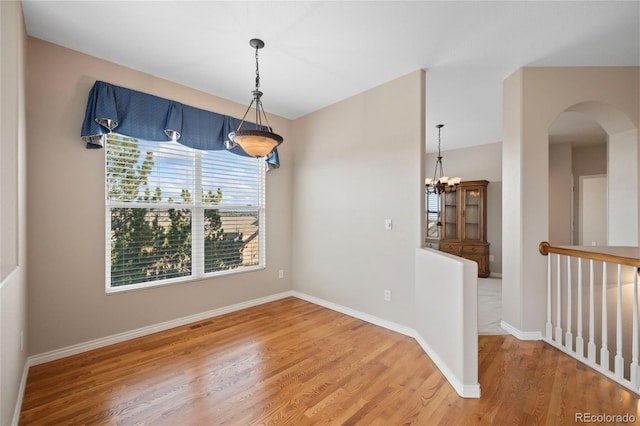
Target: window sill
{"type": "Point", "coordinates": [182, 280]}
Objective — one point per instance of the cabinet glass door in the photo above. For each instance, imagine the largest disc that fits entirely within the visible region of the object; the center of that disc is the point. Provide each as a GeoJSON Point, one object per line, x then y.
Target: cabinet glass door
{"type": "Point", "coordinates": [450, 211]}
{"type": "Point", "coordinates": [472, 206]}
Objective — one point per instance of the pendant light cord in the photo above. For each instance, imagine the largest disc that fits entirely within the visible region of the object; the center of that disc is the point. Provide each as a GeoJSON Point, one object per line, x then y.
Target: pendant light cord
{"type": "Point", "coordinates": [257, 95]}
{"type": "Point", "coordinates": [439, 160]}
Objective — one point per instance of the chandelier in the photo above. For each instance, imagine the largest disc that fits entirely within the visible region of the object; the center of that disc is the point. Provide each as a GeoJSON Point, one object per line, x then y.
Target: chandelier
{"type": "Point", "coordinates": [260, 141]}
{"type": "Point", "coordinates": [440, 183]}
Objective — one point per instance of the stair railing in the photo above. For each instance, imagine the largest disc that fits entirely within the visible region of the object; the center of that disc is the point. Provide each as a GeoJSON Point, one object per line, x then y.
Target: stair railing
{"type": "Point", "coordinates": [595, 289]}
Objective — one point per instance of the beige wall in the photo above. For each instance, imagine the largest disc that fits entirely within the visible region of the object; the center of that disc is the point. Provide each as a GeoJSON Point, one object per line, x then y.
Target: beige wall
{"type": "Point", "coordinates": [67, 300]}
{"type": "Point", "coordinates": [357, 163]}
{"type": "Point", "coordinates": [477, 163]}
{"type": "Point", "coordinates": [560, 194]}
{"type": "Point", "coordinates": [13, 279]}
{"type": "Point", "coordinates": [452, 343]}
{"type": "Point", "coordinates": [589, 160]}
{"type": "Point", "coordinates": [533, 98]}
{"type": "Point", "coordinates": [623, 196]}
{"type": "Point", "coordinates": [11, 56]}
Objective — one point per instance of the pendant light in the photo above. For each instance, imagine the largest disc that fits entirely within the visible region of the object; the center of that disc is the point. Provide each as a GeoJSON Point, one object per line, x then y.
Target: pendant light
{"type": "Point", "coordinates": [260, 141]}
{"type": "Point", "coordinates": [440, 183]}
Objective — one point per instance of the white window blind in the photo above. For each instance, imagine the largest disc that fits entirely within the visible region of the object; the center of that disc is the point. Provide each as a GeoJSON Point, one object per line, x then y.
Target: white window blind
{"type": "Point", "coordinates": [175, 213]}
{"type": "Point", "coordinates": [433, 215]}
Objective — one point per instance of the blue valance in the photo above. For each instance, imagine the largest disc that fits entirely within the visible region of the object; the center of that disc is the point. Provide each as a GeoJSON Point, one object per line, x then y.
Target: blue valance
{"type": "Point", "coordinates": [144, 116]}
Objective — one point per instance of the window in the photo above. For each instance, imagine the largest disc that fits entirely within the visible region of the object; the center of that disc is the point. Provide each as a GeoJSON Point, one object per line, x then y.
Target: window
{"type": "Point", "coordinates": [433, 215]}
{"type": "Point", "coordinates": [175, 213]}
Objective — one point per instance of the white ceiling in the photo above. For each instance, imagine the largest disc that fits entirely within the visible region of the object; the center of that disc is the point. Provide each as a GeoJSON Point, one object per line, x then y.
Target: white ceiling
{"type": "Point", "coordinates": [318, 53]}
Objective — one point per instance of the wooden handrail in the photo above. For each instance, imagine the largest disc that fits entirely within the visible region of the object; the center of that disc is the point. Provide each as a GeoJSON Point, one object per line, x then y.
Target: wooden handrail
{"type": "Point", "coordinates": [546, 248]}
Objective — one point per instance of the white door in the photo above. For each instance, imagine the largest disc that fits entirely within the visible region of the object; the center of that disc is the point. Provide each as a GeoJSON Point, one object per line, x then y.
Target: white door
{"type": "Point", "coordinates": [593, 210]}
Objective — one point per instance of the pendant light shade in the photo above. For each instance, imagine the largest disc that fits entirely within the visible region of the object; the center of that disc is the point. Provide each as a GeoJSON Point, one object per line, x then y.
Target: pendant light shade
{"type": "Point", "coordinates": [260, 141]}
{"type": "Point", "coordinates": [256, 143]}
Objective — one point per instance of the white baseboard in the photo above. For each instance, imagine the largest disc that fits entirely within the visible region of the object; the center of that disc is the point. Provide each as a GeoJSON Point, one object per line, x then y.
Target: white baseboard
{"type": "Point", "coordinates": [143, 331]}
{"type": "Point", "coordinates": [23, 384]}
{"type": "Point", "coordinates": [519, 334]}
{"type": "Point", "coordinates": [465, 391]}
{"type": "Point", "coordinates": [390, 325]}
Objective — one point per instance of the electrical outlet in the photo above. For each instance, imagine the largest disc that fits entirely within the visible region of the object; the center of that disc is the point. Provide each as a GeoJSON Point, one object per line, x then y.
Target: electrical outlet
{"type": "Point", "coordinates": [281, 273]}
{"type": "Point", "coordinates": [387, 295]}
{"type": "Point", "coordinates": [491, 258]}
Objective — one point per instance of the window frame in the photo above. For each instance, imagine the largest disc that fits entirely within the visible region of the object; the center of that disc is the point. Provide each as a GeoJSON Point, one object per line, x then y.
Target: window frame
{"type": "Point", "coordinates": [197, 209]}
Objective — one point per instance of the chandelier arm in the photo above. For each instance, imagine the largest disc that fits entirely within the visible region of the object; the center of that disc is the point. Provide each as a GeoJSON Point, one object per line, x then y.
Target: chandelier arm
{"type": "Point", "coordinates": [265, 116]}
{"type": "Point", "coordinates": [245, 115]}
{"type": "Point", "coordinates": [437, 177]}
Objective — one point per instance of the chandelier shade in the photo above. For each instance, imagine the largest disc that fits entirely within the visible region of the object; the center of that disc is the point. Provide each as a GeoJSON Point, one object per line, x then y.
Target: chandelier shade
{"type": "Point", "coordinates": [260, 141]}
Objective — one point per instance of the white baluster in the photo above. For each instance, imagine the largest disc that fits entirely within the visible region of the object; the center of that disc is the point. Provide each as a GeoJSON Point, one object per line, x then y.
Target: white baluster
{"type": "Point", "coordinates": [549, 326]}
{"type": "Point", "coordinates": [604, 349]}
{"type": "Point", "coordinates": [568, 336]}
{"type": "Point", "coordinates": [634, 332]}
{"type": "Point", "coordinates": [579, 339]}
{"type": "Point", "coordinates": [591, 347]}
{"type": "Point", "coordinates": [619, 360]}
{"type": "Point", "coordinates": [558, 304]}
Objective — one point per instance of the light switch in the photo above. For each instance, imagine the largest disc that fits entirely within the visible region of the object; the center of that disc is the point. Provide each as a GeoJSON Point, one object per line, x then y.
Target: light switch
{"type": "Point", "coordinates": [388, 224]}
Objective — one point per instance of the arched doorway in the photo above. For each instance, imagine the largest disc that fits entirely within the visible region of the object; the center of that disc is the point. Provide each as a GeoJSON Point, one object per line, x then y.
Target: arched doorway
{"type": "Point", "coordinates": [577, 172]}
{"type": "Point", "coordinates": [593, 177]}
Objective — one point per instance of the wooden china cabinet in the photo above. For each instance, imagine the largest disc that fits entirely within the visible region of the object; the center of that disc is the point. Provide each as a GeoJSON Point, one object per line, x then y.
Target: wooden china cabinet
{"type": "Point", "coordinates": [463, 217]}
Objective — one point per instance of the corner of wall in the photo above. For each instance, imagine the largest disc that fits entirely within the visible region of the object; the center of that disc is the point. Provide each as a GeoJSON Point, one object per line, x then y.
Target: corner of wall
{"type": "Point", "coordinates": [347, 184]}
{"type": "Point", "coordinates": [13, 282]}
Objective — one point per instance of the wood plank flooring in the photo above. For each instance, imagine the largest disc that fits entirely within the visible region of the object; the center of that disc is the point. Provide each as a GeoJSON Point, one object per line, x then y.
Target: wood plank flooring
{"type": "Point", "coordinates": [293, 362]}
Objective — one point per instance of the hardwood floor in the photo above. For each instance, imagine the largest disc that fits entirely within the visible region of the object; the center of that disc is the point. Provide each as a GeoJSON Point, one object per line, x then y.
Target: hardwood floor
{"type": "Point", "coordinates": [293, 362]}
